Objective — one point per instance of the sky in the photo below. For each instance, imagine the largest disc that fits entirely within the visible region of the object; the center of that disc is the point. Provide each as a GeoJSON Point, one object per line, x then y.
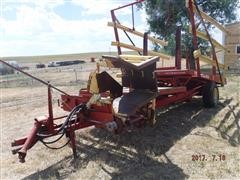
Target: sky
{"type": "Point", "coordinates": [43, 27]}
{"type": "Point", "coordinates": [32, 27]}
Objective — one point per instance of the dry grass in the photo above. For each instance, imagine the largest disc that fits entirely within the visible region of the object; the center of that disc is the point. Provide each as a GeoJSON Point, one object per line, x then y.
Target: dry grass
{"type": "Point", "coordinates": [160, 152]}
{"type": "Point", "coordinates": [32, 60]}
{"type": "Point", "coordinates": [47, 58]}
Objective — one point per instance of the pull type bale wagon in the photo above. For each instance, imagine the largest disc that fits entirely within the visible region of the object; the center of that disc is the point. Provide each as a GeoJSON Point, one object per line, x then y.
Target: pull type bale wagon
{"type": "Point", "coordinates": [114, 106]}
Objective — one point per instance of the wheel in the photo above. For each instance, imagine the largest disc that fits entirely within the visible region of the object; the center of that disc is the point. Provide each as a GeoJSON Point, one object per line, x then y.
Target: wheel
{"type": "Point", "coordinates": [210, 95]}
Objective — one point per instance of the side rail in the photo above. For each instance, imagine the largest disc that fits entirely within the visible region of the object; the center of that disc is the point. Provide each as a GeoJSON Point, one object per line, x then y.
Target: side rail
{"type": "Point", "coordinates": [126, 30]}
{"type": "Point", "coordinates": [215, 45]}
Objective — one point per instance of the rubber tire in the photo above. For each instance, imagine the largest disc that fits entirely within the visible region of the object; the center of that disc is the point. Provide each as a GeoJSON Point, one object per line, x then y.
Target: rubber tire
{"type": "Point", "coordinates": [210, 95]}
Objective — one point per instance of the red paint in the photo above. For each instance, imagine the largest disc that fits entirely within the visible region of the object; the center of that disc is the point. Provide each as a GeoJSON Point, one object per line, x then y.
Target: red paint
{"type": "Point", "coordinates": [30, 141]}
{"type": "Point", "coordinates": [194, 32]}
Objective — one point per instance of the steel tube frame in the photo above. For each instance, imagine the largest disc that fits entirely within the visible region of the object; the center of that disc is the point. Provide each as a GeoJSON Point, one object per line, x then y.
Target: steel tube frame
{"type": "Point", "coordinates": [114, 20]}
{"type": "Point", "coordinates": [194, 32]}
{"type": "Point", "coordinates": [178, 56]}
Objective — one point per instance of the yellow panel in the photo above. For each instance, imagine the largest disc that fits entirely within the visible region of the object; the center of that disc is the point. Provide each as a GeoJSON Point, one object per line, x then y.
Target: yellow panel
{"type": "Point", "coordinates": [133, 60]}
{"type": "Point", "coordinates": [92, 83]}
{"type": "Point", "coordinates": [135, 57]}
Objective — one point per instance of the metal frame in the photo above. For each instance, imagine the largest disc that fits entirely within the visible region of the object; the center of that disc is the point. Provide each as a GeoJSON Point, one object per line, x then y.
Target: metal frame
{"type": "Point", "coordinates": [86, 109]}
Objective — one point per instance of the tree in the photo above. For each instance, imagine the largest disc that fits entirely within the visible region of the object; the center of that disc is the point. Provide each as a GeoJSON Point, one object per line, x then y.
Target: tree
{"type": "Point", "coordinates": [165, 15]}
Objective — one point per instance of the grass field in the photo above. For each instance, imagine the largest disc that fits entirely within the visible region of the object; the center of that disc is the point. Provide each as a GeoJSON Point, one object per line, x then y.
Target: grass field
{"type": "Point", "coordinates": [164, 151]}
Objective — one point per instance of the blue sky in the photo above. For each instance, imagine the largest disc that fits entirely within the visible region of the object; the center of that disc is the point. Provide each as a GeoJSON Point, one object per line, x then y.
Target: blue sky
{"type": "Point", "coordinates": [39, 27]}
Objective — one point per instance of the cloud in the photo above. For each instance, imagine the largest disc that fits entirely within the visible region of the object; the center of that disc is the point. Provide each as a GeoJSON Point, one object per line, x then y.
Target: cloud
{"type": "Point", "coordinates": [29, 21]}
{"type": "Point", "coordinates": [41, 3]}
{"type": "Point", "coordinates": [238, 14]}
{"type": "Point", "coordinates": [101, 7]}
{"type": "Point", "coordinates": [37, 29]}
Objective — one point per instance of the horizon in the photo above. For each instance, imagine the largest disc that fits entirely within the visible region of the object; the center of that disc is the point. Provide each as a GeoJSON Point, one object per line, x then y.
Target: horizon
{"type": "Point", "coordinates": [80, 53]}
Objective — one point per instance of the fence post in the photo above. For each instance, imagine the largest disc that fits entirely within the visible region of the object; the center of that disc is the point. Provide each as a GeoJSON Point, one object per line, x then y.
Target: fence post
{"type": "Point", "coordinates": [75, 74]}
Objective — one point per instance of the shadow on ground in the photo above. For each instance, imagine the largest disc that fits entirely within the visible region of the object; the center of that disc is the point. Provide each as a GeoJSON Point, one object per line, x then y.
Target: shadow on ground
{"type": "Point", "coordinates": [139, 154]}
{"type": "Point", "coordinates": [231, 131]}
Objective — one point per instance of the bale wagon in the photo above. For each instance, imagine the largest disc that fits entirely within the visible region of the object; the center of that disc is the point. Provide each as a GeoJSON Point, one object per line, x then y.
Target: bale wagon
{"type": "Point", "coordinates": [109, 104]}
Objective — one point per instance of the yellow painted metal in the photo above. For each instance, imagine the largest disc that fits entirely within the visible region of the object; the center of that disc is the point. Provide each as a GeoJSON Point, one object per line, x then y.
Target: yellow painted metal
{"type": "Point", "coordinates": [119, 75]}
{"type": "Point", "coordinates": [142, 58]}
{"type": "Point", "coordinates": [124, 28]}
{"type": "Point", "coordinates": [211, 20]}
{"type": "Point", "coordinates": [153, 53]}
{"type": "Point", "coordinates": [92, 83]}
{"type": "Point", "coordinates": [203, 35]}
{"type": "Point", "coordinates": [206, 59]}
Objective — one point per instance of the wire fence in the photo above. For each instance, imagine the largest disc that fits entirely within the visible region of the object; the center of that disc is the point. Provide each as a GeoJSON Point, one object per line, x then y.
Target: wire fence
{"type": "Point", "coordinates": [58, 76]}
{"type": "Point", "coordinates": [67, 78]}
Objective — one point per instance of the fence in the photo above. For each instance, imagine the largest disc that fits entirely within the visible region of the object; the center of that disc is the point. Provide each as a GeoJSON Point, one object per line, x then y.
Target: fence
{"type": "Point", "coordinates": [28, 91]}
{"type": "Point", "coordinates": [60, 76]}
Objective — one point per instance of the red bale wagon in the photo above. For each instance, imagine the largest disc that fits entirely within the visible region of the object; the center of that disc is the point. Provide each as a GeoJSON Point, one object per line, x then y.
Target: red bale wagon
{"type": "Point", "coordinates": [112, 105]}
